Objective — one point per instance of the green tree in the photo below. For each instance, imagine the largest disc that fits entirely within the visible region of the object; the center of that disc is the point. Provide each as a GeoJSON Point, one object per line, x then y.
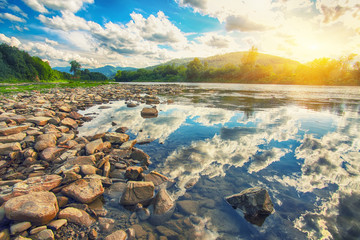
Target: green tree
{"type": "Point", "coordinates": [249, 59]}
{"type": "Point", "coordinates": [75, 67]}
{"type": "Point", "coordinates": [194, 69]}
{"type": "Point", "coordinates": [118, 75]}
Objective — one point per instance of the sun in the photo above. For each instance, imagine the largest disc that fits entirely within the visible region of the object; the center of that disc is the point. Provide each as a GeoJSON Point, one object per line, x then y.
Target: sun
{"type": "Point", "coordinates": [313, 47]}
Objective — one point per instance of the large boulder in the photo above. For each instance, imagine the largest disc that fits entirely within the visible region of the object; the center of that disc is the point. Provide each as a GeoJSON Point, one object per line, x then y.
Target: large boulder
{"type": "Point", "coordinates": [137, 192]}
{"type": "Point", "coordinates": [76, 216]}
{"type": "Point", "coordinates": [255, 203]}
{"type": "Point", "coordinates": [33, 184]}
{"type": "Point", "coordinates": [36, 207]}
{"type": "Point", "coordinates": [164, 207]}
{"type": "Point", "coordinates": [84, 190]}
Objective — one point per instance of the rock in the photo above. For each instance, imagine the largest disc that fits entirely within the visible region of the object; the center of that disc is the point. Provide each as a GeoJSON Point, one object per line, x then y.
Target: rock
{"type": "Point", "coordinates": [93, 234]}
{"type": "Point", "coordinates": [5, 131]}
{"type": "Point", "coordinates": [51, 153]}
{"type": "Point", "coordinates": [139, 231]}
{"type": "Point", "coordinates": [4, 234]}
{"type": "Point", "coordinates": [128, 145]}
{"type": "Point", "coordinates": [156, 178]}
{"type": "Point", "coordinates": [117, 235]}
{"type": "Point", "coordinates": [13, 138]}
{"type": "Point", "coordinates": [75, 115]}
{"type": "Point", "coordinates": [252, 201]}
{"type": "Point", "coordinates": [40, 121]}
{"type": "Point", "coordinates": [116, 137]}
{"type": "Point", "coordinates": [46, 234]}
{"type": "Point", "coordinates": [149, 112]}
{"type": "Point", "coordinates": [131, 104]}
{"type": "Point", "coordinates": [65, 108]}
{"type": "Point", "coordinates": [141, 156]}
{"type": "Point", "coordinates": [37, 230]}
{"type": "Point", "coordinates": [106, 224]}
{"type": "Point", "coordinates": [45, 141]}
{"type": "Point", "coordinates": [76, 216]}
{"type": "Point", "coordinates": [167, 232]}
{"type": "Point", "coordinates": [142, 213]}
{"type": "Point", "coordinates": [33, 184]}
{"type": "Point", "coordinates": [65, 138]}
{"type": "Point", "coordinates": [130, 234]}
{"type": "Point", "coordinates": [7, 148]}
{"type": "Point", "coordinates": [35, 207]}
{"type": "Point", "coordinates": [189, 207]}
{"type": "Point", "coordinates": [121, 129]}
{"type": "Point", "coordinates": [62, 201]}
{"type": "Point", "coordinates": [19, 227]}
{"type": "Point", "coordinates": [115, 190]}
{"type": "Point", "coordinates": [164, 207]}
{"type": "Point", "coordinates": [69, 122]}
{"type": "Point", "coordinates": [88, 169]}
{"type": "Point", "coordinates": [133, 172]}
{"type": "Point", "coordinates": [94, 146]}
{"type": "Point", "coordinates": [137, 192]}
{"type": "Point", "coordinates": [56, 224]}
{"type": "Point", "coordinates": [84, 190]}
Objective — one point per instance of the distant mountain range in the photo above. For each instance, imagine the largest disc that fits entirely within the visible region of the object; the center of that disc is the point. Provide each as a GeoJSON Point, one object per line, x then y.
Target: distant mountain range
{"type": "Point", "coordinates": [107, 70]}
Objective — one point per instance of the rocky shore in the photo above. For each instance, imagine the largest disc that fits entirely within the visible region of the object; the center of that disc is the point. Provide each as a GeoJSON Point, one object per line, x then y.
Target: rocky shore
{"type": "Point", "coordinates": [53, 182]}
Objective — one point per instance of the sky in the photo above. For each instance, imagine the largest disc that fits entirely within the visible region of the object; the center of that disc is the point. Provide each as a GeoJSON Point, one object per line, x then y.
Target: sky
{"type": "Point", "coordinates": [141, 33]}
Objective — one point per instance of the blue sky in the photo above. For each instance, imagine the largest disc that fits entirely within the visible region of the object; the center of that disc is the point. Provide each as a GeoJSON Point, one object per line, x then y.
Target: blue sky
{"type": "Point", "coordinates": [140, 33]}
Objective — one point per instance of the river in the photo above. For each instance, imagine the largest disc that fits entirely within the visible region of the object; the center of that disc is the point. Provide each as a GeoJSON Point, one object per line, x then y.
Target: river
{"type": "Point", "coordinates": [301, 143]}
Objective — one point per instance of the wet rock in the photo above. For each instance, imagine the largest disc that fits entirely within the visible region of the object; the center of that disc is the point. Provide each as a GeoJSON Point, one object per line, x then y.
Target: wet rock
{"type": "Point", "coordinates": [4, 234]}
{"type": "Point", "coordinates": [76, 216]}
{"type": "Point", "coordinates": [118, 235]}
{"type": "Point", "coordinates": [116, 137]}
{"type": "Point", "coordinates": [84, 190]}
{"type": "Point", "coordinates": [70, 177]}
{"type": "Point", "coordinates": [137, 192]}
{"type": "Point", "coordinates": [130, 234]}
{"type": "Point", "coordinates": [139, 231]}
{"type": "Point", "coordinates": [37, 230]}
{"type": "Point", "coordinates": [115, 190]}
{"type": "Point", "coordinates": [156, 178]}
{"type": "Point", "coordinates": [65, 138]}
{"type": "Point", "coordinates": [131, 104]}
{"type": "Point", "coordinates": [128, 145]}
{"type": "Point", "coordinates": [46, 234]}
{"type": "Point", "coordinates": [142, 213]}
{"type": "Point", "coordinates": [19, 227]}
{"type": "Point", "coordinates": [69, 122]}
{"type": "Point", "coordinates": [93, 234]}
{"type": "Point", "coordinates": [149, 112]}
{"type": "Point", "coordinates": [164, 207]}
{"type": "Point", "coordinates": [12, 138]}
{"type": "Point", "coordinates": [253, 202]}
{"type": "Point", "coordinates": [56, 224]}
{"type": "Point", "coordinates": [141, 156]}
{"type": "Point", "coordinates": [40, 121]}
{"type": "Point", "coordinates": [36, 207]}
{"type": "Point", "coordinates": [106, 224]}
{"type": "Point", "coordinates": [189, 207]}
{"type": "Point", "coordinates": [94, 146]}
{"type": "Point", "coordinates": [166, 232]}
{"type": "Point", "coordinates": [7, 148]}
{"type": "Point", "coordinates": [5, 131]}
{"type": "Point", "coordinates": [75, 115]}
{"type": "Point", "coordinates": [121, 129]}
{"type": "Point", "coordinates": [51, 153]}
{"type": "Point", "coordinates": [133, 172]}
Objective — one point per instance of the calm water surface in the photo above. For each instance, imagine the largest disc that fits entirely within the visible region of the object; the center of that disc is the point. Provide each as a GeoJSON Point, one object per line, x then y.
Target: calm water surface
{"type": "Point", "coordinates": [301, 143]}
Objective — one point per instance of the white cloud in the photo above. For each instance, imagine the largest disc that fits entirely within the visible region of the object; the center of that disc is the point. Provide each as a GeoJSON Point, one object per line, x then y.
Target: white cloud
{"type": "Point", "coordinates": [18, 10]}
{"type": "Point", "coordinates": [69, 5]}
{"type": "Point", "coordinates": [51, 42]}
{"type": "Point", "coordinates": [67, 22]}
{"type": "Point", "coordinates": [217, 41]}
{"type": "Point", "coordinates": [13, 41]}
{"type": "Point", "coordinates": [11, 17]}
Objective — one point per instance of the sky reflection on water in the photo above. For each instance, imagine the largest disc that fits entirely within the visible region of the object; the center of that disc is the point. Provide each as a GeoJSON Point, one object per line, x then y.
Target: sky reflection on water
{"type": "Point", "coordinates": [302, 144]}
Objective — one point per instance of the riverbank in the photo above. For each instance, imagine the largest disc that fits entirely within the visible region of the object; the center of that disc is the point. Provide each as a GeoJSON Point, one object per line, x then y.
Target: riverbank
{"type": "Point", "coordinates": [53, 182]}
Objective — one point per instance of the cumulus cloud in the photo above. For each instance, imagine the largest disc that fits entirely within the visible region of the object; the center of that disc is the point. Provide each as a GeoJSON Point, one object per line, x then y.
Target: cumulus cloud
{"type": "Point", "coordinates": [11, 17]}
{"type": "Point", "coordinates": [216, 40]}
{"type": "Point", "coordinates": [18, 10]}
{"type": "Point", "coordinates": [13, 41]}
{"type": "Point", "coordinates": [69, 5]}
{"type": "Point", "coordinates": [67, 22]}
{"type": "Point", "coordinates": [51, 42]}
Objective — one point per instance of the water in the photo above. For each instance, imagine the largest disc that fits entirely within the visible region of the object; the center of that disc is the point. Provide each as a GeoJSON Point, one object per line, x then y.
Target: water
{"type": "Point", "coordinates": [301, 143]}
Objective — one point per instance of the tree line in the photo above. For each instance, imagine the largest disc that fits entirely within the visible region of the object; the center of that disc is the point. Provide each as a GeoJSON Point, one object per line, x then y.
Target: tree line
{"type": "Point", "coordinates": [17, 65]}
{"type": "Point", "coordinates": [322, 71]}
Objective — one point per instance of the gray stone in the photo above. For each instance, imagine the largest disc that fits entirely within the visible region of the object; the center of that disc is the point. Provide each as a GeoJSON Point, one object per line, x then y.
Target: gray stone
{"type": "Point", "coordinates": [116, 137]}
{"type": "Point", "coordinates": [46, 234]}
{"type": "Point", "coordinates": [164, 207]}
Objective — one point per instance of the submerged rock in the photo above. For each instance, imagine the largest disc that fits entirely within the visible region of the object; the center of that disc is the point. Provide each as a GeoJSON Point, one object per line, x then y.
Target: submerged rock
{"type": "Point", "coordinates": [164, 207]}
{"type": "Point", "coordinates": [149, 112]}
{"type": "Point", "coordinates": [84, 190]}
{"type": "Point", "coordinates": [137, 192]}
{"type": "Point", "coordinates": [76, 216]}
{"type": "Point", "coordinates": [255, 203]}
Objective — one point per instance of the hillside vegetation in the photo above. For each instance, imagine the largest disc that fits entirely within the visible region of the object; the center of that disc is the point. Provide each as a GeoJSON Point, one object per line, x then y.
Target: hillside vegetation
{"type": "Point", "coordinates": [17, 65]}
{"type": "Point", "coordinates": [250, 67]}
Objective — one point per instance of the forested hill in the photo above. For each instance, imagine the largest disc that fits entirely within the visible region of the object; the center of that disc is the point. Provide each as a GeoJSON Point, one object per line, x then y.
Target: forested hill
{"type": "Point", "coordinates": [107, 70]}
{"type": "Point", "coordinates": [17, 65]}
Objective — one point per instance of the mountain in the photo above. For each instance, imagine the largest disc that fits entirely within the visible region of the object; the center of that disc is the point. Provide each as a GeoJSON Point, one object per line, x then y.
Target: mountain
{"type": "Point", "coordinates": [107, 70]}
